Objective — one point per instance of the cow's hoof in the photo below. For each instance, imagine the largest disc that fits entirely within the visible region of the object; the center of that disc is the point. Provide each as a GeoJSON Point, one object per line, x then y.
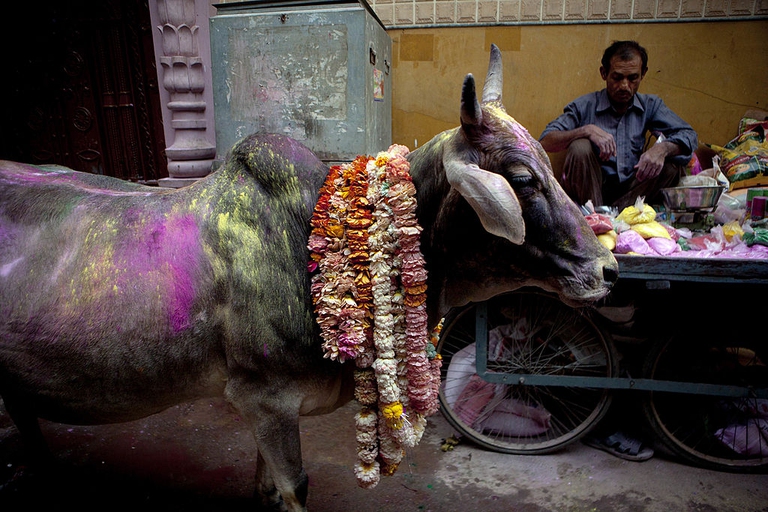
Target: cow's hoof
{"type": "Point", "coordinates": [23, 482]}
{"type": "Point", "coordinates": [270, 501]}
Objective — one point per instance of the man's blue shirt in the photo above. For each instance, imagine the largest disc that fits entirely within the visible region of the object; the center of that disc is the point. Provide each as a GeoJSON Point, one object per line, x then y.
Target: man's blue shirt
{"type": "Point", "coordinates": [648, 113]}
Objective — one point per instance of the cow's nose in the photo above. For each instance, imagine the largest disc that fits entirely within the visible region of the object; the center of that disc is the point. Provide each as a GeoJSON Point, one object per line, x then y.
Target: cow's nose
{"type": "Point", "coordinates": [610, 274]}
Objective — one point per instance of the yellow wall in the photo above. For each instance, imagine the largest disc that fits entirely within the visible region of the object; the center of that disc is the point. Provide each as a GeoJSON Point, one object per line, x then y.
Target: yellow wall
{"type": "Point", "coordinates": [710, 73]}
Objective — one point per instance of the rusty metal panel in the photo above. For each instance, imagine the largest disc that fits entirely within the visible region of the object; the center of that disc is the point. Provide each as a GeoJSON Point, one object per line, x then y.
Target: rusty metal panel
{"type": "Point", "coordinates": [319, 73]}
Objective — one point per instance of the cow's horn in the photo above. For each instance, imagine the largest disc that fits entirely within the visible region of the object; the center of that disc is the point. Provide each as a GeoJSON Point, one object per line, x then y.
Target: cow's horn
{"type": "Point", "coordinates": [494, 78]}
{"type": "Point", "coordinates": [471, 113]}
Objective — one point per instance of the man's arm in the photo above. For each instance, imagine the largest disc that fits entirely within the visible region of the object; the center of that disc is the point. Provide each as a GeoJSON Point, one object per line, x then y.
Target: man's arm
{"type": "Point", "coordinates": [652, 161]}
{"type": "Point", "coordinates": [681, 140]}
{"type": "Point", "coordinates": [556, 141]}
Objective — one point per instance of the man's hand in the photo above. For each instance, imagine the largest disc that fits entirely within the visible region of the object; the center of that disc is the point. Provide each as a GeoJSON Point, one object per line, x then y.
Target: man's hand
{"type": "Point", "coordinates": [557, 141]}
{"type": "Point", "coordinates": [652, 161]}
{"type": "Point", "coordinates": [603, 140]}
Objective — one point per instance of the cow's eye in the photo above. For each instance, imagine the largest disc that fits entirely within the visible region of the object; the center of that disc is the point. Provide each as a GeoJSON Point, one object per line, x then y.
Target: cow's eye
{"type": "Point", "coordinates": [521, 179]}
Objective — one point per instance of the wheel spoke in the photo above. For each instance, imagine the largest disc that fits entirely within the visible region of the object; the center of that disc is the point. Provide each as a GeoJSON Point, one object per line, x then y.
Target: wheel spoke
{"type": "Point", "coordinates": [547, 338]}
{"type": "Point", "coordinates": [710, 431]}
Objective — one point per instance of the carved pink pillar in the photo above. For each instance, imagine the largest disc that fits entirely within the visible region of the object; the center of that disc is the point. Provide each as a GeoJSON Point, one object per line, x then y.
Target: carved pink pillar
{"type": "Point", "coordinates": [187, 104]}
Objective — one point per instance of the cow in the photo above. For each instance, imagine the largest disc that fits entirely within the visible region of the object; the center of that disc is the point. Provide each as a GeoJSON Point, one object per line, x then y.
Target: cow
{"type": "Point", "coordinates": [119, 300]}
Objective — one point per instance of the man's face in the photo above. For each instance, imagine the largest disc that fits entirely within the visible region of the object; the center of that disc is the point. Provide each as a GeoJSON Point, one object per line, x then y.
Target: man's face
{"type": "Point", "coordinates": [622, 81]}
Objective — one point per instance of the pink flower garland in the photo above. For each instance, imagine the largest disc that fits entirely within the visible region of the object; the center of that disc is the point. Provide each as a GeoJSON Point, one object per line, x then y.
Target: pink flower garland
{"type": "Point", "coordinates": [370, 300]}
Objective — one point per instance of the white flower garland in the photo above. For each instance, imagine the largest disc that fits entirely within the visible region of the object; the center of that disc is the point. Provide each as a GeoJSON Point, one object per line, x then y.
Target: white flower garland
{"type": "Point", "coordinates": [370, 300]}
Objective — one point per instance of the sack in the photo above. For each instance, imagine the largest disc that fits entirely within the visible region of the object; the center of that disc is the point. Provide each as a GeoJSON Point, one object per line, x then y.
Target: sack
{"type": "Point", "coordinates": [744, 160]}
{"type": "Point", "coordinates": [608, 239]}
{"type": "Point", "coordinates": [748, 433]}
{"type": "Point", "coordinates": [631, 242]}
{"type": "Point", "coordinates": [652, 229]}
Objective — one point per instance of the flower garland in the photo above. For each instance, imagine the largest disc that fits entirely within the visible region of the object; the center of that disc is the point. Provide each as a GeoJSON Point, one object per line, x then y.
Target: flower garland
{"type": "Point", "coordinates": [338, 247]}
{"type": "Point", "coordinates": [370, 301]}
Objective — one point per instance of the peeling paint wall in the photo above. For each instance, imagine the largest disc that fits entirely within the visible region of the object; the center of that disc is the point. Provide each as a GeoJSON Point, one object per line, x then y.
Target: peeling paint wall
{"type": "Point", "coordinates": [284, 72]}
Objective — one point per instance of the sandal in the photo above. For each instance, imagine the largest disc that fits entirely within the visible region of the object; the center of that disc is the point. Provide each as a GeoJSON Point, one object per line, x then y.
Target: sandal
{"type": "Point", "coordinates": [622, 446]}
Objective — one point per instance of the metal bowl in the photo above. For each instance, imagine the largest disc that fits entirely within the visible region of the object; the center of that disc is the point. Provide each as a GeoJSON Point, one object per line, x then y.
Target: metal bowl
{"type": "Point", "coordinates": [692, 197]}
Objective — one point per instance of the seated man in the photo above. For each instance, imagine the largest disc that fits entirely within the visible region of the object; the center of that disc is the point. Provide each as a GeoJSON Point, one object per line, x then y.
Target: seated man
{"type": "Point", "coordinates": [605, 134]}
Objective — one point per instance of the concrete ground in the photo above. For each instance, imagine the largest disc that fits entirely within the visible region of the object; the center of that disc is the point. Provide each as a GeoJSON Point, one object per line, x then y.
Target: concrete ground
{"type": "Point", "coordinates": [200, 457]}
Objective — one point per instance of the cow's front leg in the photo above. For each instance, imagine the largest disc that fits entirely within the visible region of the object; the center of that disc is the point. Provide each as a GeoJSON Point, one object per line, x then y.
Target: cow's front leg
{"type": "Point", "coordinates": [274, 419]}
{"type": "Point", "coordinates": [266, 492]}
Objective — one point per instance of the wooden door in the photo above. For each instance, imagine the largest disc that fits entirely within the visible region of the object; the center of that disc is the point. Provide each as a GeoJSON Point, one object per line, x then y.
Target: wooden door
{"type": "Point", "coordinates": [81, 88]}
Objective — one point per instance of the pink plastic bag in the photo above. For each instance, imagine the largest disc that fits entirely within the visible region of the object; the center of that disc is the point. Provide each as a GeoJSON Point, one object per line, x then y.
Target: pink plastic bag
{"type": "Point", "coordinates": [663, 246]}
{"type": "Point", "coordinates": [631, 241]}
{"type": "Point", "coordinates": [599, 223]}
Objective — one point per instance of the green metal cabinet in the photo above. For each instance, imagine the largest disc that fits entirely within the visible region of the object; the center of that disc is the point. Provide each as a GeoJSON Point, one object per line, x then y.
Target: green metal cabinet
{"type": "Point", "coordinates": [319, 72]}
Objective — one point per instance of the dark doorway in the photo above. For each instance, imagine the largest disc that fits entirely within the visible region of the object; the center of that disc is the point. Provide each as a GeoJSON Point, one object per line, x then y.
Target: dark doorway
{"type": "Point", "coordinates": [81, 88]}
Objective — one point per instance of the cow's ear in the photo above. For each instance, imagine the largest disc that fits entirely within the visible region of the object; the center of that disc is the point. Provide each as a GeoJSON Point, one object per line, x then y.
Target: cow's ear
{"type": "Point", "coordinates": [491, 196]}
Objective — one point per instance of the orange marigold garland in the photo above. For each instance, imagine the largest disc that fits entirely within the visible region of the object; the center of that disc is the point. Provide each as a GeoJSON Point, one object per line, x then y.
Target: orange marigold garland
{"type": "Point", "coordinates": [370, 301]}
{"type": "Point", "coordinates": [341, 291]}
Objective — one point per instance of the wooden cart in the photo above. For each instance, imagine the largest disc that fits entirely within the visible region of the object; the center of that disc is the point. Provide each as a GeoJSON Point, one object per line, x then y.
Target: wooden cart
{"type": "Point", "coordinates": [685, 336]}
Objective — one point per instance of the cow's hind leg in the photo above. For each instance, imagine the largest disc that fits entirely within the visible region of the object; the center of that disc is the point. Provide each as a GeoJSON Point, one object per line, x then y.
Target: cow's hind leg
{"type": "Point", "coordinates": [36, 469]}
{"type": "Point", "coordinates": [274, 419]}
{"type": "Point", "coordinates": [25, 419]}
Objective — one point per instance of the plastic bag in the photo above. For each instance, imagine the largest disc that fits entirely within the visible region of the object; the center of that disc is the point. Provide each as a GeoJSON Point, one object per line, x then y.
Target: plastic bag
{"type": "Point", "coordinates": [700, 180]}
{"type": "Point", "coordinates": [748, 439]}
{"type": "Point", "coordinates": [674, 233]}
{"type": "Point", "coordinates": [731, 229]}
{"type": "Point", "coordinates": [473, 399]}
{"type": "Point", "coordinates": [664, 246]}
{"type": "Point", "coordinates": [631, 242]}
{"type": "Point", "coordinates": [744, 160]}
{"type": "Point", "coordinates": [608, 239]}
{"type": "Point", "coordinates": [729, 209]}
{"type": "Point", "coordinates": [512, 417]}
{"type": "Point", "coordinates": [639, 212]}
{"type": "Point", "coordinates": [599, 223]}
{"type": "Point", "coordinates": [716, 173]}
{"type": "Point", "coordinates": [757, 236]}
{"type": "Point", "coordinates": [650, 230]}
{"type": "Point", "coordinates": [483, 404]}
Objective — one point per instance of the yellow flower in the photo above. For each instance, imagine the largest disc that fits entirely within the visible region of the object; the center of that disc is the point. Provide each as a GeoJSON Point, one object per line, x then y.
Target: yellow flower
{"type": "Point", "coordinates": [392, 413]}
{"type": "Point", "coordinates": [335, 230]}
{"type": "Point", "coordinates": [389, 469]}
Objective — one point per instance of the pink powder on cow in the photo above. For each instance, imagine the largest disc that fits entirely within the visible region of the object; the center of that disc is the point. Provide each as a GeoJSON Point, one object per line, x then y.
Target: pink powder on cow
{"type": "Point", "coordinates": [167, 250]}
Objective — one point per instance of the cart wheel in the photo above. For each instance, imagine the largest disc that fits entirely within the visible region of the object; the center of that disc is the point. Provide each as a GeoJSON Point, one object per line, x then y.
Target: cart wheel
{"type": "Point", "coordinates": [714, 432]}
{"type": "Point", "coordinates": [528, 332]}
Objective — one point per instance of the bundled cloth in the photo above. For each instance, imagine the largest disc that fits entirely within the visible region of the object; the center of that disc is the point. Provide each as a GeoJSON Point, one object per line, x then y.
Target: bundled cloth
{"type": "Point", "coordinates": [749, 437]}
{"type": "Point", "coordinates": [486, 406]}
